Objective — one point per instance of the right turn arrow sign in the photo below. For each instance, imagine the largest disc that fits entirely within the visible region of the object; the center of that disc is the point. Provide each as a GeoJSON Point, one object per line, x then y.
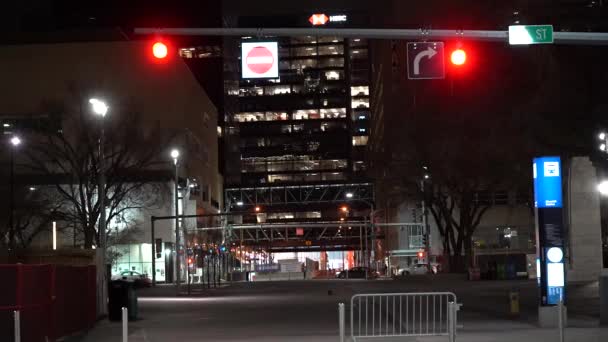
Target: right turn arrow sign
{"type": "Point", "coordinates": [428, 53]}
{"type": "Point", "coordinates": [425, 60]}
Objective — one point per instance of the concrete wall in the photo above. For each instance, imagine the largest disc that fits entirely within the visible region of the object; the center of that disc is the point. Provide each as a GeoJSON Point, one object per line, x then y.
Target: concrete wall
{"type": "Point", "coordinates": [584, 235]}
{"type": "Point", "coordinates": [124, 74]}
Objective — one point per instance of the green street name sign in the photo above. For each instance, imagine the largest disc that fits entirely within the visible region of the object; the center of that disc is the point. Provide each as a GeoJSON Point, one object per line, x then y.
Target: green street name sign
{"type": "Point", "coordinates": [530, 34]}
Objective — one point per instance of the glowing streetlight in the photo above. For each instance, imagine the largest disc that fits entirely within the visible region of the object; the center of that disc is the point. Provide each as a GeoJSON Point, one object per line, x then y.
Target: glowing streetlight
{"type": "Point", "coordinates": [603, 188]}
{"type": "Point", "coordinates": [15, 141]}
{"type": "Point", "coordinates": [99, 107]}
{"type": "Point", "coordinates": [175, 155]}
{"type": "Point", "coordinates": [349, 195]}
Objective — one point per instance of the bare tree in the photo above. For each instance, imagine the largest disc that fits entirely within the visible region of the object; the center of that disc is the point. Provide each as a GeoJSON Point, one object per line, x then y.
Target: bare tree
{"type": "Point", "coordinates": [33, 214]}
{"type": "Point", "coordinates": [70, 158]}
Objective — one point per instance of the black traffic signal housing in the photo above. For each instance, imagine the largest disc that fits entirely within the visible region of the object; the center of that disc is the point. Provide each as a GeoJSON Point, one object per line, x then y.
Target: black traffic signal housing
{"type": "Point", "coordinates": [158, 248]}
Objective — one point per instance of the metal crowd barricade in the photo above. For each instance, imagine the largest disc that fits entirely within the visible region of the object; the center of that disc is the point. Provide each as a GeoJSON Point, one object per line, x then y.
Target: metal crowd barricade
{"type": "Point", "coordinates": [384, 315]}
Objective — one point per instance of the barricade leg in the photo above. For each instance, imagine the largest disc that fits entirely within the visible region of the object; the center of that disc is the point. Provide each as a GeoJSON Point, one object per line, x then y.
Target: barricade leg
{"type": "Point", "coordinates": [451, 322]}
{"type": "Point", "coordinates": [341, 321]}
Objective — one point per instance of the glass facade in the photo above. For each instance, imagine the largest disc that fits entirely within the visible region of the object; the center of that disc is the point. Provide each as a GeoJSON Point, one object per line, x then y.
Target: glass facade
{"type": "Point", "coordinates": [298, 128]}
{"type": "Point", "coordinates": [138, 258]}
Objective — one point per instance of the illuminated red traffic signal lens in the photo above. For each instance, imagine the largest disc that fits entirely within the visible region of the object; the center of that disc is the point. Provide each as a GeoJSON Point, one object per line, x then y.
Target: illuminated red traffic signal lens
{"type": "Point", "coordinates": [159, 50]}
{"type": "Point", "coordinates": [458, 57]}
{"type": "Point", "coordinates": [420, 254]}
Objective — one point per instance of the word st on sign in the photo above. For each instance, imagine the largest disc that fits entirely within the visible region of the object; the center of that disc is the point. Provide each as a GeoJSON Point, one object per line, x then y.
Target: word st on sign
{"type": "Point", "coordinates": [259, 60]}
{"type": "Point", "coordinates": [530, 34]}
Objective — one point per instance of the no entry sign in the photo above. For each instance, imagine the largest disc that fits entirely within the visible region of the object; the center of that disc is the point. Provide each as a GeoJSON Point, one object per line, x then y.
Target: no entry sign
{"type": "Point", "coordinates": [259, 60]}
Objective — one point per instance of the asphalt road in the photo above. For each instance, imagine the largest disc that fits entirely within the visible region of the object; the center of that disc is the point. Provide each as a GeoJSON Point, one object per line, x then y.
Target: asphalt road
{"type": "Point", "coordinates": [308, 310]}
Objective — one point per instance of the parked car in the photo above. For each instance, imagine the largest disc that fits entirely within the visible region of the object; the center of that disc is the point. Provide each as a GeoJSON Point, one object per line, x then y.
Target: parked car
{"type": "Point", "coordinates": [139, 280]}
{"type": "Point", "coordinates": [356, 273]}
{"type": "Point", "coordinates": [418, 269]}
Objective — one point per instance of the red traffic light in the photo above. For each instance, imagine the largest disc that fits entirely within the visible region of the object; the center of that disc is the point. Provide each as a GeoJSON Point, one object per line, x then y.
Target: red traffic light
{"type": "Point", "coordinates": [160, 50]}
{"type": "Point", "coordinates": [190, 261]}
{"type": "Point", "coordinates": [458, 57]}
{"type": "Point", "coordinates": [420, 254]}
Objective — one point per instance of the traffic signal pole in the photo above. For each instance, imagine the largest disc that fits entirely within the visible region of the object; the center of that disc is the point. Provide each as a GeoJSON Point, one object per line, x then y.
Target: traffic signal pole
{"type": "Point", "coordinates": [567, 38]}
{"type": "Point", "coordinates": [426, 228]}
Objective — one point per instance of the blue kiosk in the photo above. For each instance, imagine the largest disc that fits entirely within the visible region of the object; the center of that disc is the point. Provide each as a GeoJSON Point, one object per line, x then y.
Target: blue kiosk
{"type": "Point", "coordinates": [550, 268]}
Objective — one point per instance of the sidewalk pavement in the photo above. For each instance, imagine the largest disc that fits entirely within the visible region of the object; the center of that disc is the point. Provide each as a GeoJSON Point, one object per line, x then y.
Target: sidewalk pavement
{"type": "Point", "coordinates": [473, 331]}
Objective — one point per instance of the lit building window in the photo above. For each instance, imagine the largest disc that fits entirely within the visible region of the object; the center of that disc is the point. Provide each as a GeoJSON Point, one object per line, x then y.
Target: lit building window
{"type": "Point", "coordinates": [360, 103]}
{"type": "Point", "coordinates": [333, 75]}
{"type": "Point", "coordinates": [277, 90]}
{"type": "Point", "coordinates": [252, 116]}
{"type": "Point", "coordinates": [200, 52]}
{"type": "Point", "coordinates": [360, 140]}
{"type": "Point", "coordinates": [333, 113]}
{"type": "Point", "coordinates": [306, 115]}
{"type": "Point", "coordinates": [255, 91]}
{"type": "Point", "coordinates": [359, 91]}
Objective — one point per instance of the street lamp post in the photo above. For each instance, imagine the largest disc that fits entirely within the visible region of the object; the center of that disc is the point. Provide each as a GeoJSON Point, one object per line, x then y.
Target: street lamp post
{"type": "Point", "coordinates": [425, 223]}
{"type": "Point", "coordinates": [15, 141]}
{"type": "Point", "coordinates": [100, 108]}
{"type": "Point", "coordinates": [175, 156]}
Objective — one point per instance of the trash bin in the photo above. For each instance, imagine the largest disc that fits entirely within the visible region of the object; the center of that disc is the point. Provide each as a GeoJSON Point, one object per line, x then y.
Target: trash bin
{"type": "Point", "coordinates": [603, 290]}
{"type": "Point", "coordinates": [121, 294]}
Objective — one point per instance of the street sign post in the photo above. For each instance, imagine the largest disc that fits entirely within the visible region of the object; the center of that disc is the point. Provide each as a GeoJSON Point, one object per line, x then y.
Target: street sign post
{"type": "Point", "coordinates": [425, 61]}
{"type": "Point", "coordinates": [530, 34]}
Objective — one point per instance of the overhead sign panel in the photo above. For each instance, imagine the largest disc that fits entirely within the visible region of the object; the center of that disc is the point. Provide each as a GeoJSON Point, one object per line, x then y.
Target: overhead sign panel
{"type": "Point", "coordinates": [259, 60]}
{"type": "Point", "coordinates": [530, 34]}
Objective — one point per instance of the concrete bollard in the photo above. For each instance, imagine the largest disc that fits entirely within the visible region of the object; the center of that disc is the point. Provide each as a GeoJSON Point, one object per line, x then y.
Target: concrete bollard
{"type": "Point", "coordinates": [17, 323]}
{"type": "Point", "coordinates": [560, 319]}
{"type": "Point", "coordinates": [514, 303]}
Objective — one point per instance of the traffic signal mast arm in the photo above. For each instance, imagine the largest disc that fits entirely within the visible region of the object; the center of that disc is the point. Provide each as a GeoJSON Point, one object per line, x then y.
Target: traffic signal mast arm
{"type": "Point", "coordinates": [574, 38]}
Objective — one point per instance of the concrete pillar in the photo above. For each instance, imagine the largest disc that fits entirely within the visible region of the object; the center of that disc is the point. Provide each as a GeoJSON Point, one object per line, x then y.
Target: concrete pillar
{"type": "Point", "coordinates": [584, 235]}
